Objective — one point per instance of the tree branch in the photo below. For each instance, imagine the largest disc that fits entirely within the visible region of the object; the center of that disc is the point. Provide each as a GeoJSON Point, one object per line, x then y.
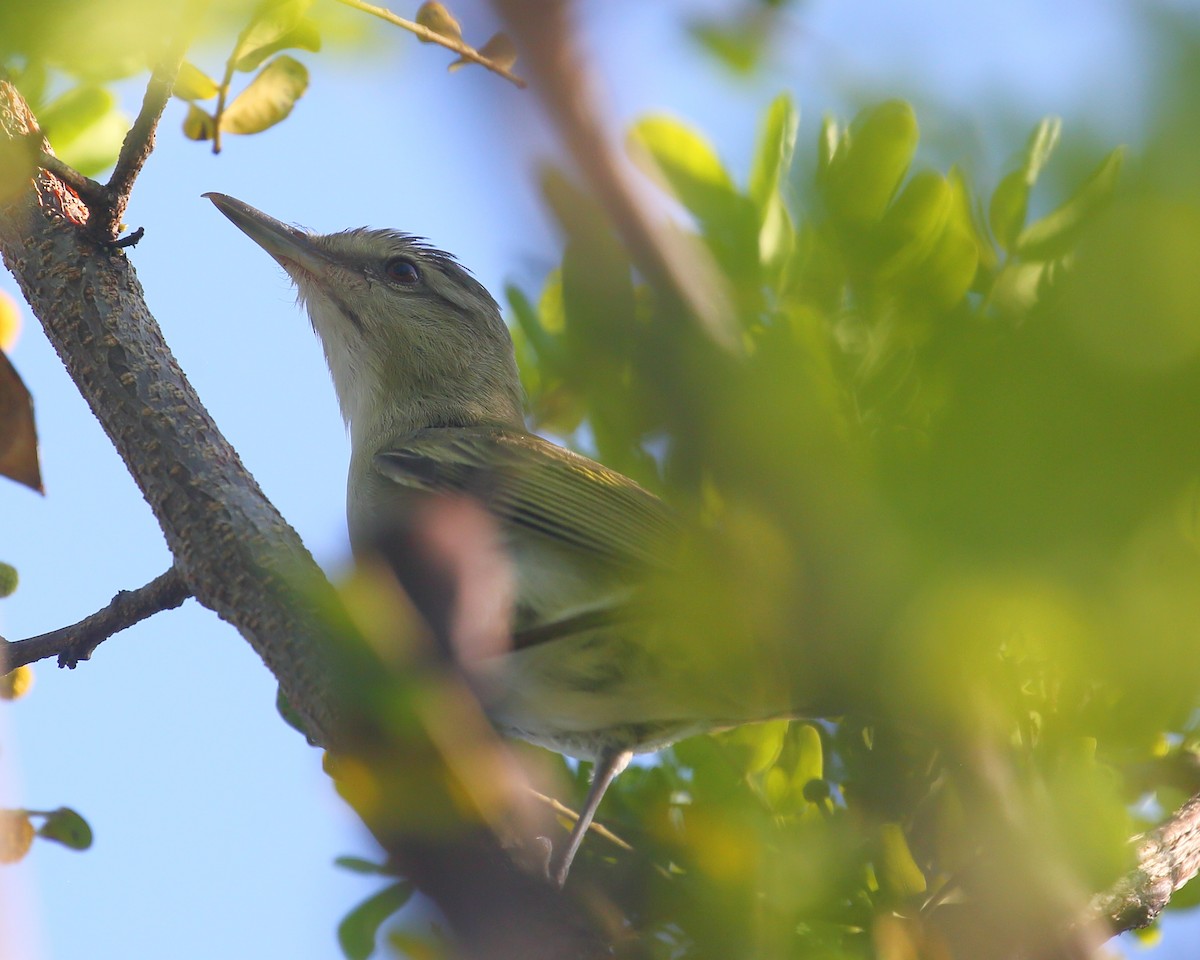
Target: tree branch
{"type": "Point", "coordinates": [1168, 857]}
{"type": "Point", "coordinates": [464, 50]}
{"type": "Point", "coordinates": [139, 142]}
{"type": "Point", "coordinates": [77, 642]}
{"type": "Point", "coordinates": [562, 77]}
{"type": "Point", "coordinates": [230, 545]}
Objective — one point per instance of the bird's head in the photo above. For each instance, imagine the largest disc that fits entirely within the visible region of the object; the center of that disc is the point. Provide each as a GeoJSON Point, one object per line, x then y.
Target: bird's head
{"type": "Point", "coordinates": [412, 339]}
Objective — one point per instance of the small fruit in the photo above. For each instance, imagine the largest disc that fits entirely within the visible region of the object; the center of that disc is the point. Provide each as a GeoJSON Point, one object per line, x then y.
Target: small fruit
{"type": "Point", "coordinates": [8, 579]}
{"type": "Point", "coordinates": [16, 683]}
{"type": "Point", "coordinates": [16, 835]}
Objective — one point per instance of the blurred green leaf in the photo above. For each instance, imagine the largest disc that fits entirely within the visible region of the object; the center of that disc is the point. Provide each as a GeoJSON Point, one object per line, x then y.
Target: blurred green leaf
{"type": "Point", "coordinates": [872, 159]}
{"type": "Point", "coordinates": [682, 158]}
{"type": "Point", "coordinates": [359, 865]}
{"type": "Point", "coordinates": [359, 929]}
{"type": "Point", "coordinates": [194, 84]}
{"type": "Point", "coordinates": [271, 22]}
{"type": "Point", "coordinates": [198, 124]}
{"type": "Point", "coordinates": [773, 154]}
{"type": "Point", "coordinates": [268, 99]}
{"type": "Point", "coordinates": [1055, 234]}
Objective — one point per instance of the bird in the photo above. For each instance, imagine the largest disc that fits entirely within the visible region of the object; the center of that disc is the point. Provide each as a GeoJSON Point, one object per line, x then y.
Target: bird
{"type": "Point", "coordinates": [425, 375]}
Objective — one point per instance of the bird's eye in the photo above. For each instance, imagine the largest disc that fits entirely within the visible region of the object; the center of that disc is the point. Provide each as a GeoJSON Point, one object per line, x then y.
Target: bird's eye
{"type": "Point", "coordinates": [402, 271]}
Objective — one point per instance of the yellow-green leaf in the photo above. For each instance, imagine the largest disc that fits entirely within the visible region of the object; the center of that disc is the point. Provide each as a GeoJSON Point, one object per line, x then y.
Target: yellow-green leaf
{"type": "Point", "coordinates": [272, 20]}
{"type": "Point", "coordinates": [1057, 233]}
{"type": "Point", "coordinates": [306, 35]}
{"type": "Point", "coordinates": [773, 157]}
{"type": "Point", "coordinates": [198, 124]}
{"type": "Point", "coordinates": [682, 157]}
{"type": "Point", "coordinates": [268, 99]}
{"type": "Point", "coordinates": [896, 869]}
{"type": "Point", "coordinates": [194, 84]}
{"type": "Point", "coordinates": [872, 161]}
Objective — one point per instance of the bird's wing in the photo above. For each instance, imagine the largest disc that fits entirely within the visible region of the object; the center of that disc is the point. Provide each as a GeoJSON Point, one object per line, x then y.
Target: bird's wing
{"type": "Point", "coordinates": [539, 487]}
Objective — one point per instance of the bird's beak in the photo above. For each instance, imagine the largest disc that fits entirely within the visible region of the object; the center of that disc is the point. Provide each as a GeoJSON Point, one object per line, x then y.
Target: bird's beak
{"type": "Point", "coordinates": [291, 247]}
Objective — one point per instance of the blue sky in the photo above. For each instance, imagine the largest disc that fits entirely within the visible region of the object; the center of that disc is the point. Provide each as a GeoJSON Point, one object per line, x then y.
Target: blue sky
{"type": "Point", "coordinates": [215, 828]}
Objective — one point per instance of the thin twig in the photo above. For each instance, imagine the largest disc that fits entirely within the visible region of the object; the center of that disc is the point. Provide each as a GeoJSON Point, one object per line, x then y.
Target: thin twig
{"type": "Point", "coordinates": [91, 192]}
{"type": "Point", "coordinates": [139, 141]}
{"type": "Point", "coordinates": [597, 828]}
{"type": "Point", "coordinates": [74, 643]}
{"type": "Point", "coordinates": [431, 36]}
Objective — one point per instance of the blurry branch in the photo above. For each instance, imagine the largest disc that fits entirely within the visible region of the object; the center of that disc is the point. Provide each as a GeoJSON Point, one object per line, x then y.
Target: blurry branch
{"type": "Point", "coordinates": [77, 642]}
{"type": "Point", "coordinates": [563, 78]}
{"type": "Point", "coordinates": [597, 828]}
{"type": "Point", "coordinates": [1168, 857]}
{"type": "Point", "coordinates": [231, 547]}
{"type": "Point", "coordinates": [464, 50]}
{"type": "Point", "coordinates": [106, 202]}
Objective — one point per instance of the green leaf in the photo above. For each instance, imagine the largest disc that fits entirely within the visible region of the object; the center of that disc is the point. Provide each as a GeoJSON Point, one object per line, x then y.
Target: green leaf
{"type": "Point", "coordinates": [194, 84]}
{"type": "Point", "coordinates": [896, 869]}
{"type": "Point", "coordinates": [306, 35]}
{"type": "Point", "coordinates": [1056, 234]}
{"type": "Point", "coordinates": [760, 744]}
{"type": "Point", "coordinates": [198, 124]}
{"type": "Point", "coordinates": [271, 22]}
{"type": "Point", "coordinates": [268, 99]}
{"type": "Point", "coordinates": [96, 147]}
{"type": "Point", "coordinates": [1008, 207]}
{"type": "Point", "coordinates": [872, 161]}
{"type": "Point", "coordinates": [912, 224]}
{"type": "Point", "coordinates": [8, 579]}
{"type": "Point", "coordinates": [810, 761]}
{"type": "Point", "coordinates": [773, 156]}
{"type": "Point", "coordinates": [359, 928]}
{"type": "Point", "coordinates": [68, 116]}
{"type": "Point", "coordinates": [1010, 202]}
{"type": "Point", "coordinates": [67, 827]}
{"type": "Point", "coordinates": [359, 865]}
{"type": "Point", "coordinates": [681, 157]}
{"type": "Point", "coordinates": [1041, 144]}
{"type": "Point", "coordinates": [827, 146]}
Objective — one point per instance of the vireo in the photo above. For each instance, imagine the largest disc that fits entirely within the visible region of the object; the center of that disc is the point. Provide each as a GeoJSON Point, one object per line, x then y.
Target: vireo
{"type": "Point", "coordinates": [424, 371]}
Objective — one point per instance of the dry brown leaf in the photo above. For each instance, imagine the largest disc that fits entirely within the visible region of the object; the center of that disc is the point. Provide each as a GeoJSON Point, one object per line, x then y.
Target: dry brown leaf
{"type": "Point", "coordinates": [18, 437]}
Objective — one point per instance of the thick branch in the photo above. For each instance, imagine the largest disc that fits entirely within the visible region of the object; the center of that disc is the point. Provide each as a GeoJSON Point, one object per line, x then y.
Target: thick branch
{"type": "Point", "coordinates": [74, 643]}
{"type": "Point", "coordinates": [230, 545]}
{"type": "Point", "coordinates": [1168, 857]}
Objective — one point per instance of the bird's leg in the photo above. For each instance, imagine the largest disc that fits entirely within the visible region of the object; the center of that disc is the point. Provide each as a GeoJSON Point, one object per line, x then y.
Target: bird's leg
{"type": "Point", "coordinates": [608, 765]}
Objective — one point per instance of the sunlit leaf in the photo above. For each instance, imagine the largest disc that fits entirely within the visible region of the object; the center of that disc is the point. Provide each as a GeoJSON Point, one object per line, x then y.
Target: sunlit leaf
{"type": "Point", "coordinates": [194, 84]}
{"type": "Point", "coordinates": [268, 99]}
{"type": "Point", "coordinates": [870, 164]}
{"type": "Point", "coordinates": [10, 322]}
{"type": "Point", "coordinates": [896, 869]}
{"type": "Point", "coordinates": [305, 35]}
{"type": "Point", "coordinates": [683, 158]}
{"type": "Point", "coordinates": [18, 436]}
{"type": "Point", "coordinates": [271, 21]}
{"type": "Point", "coordinates": [198, 124]}
{"type": "Point", "coordinates": [773, 155]}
